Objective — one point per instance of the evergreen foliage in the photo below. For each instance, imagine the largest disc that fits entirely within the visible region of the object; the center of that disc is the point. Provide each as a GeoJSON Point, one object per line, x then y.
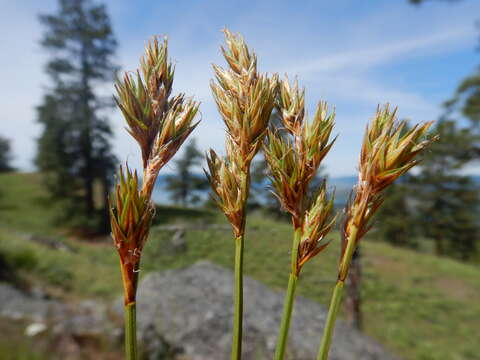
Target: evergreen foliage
{"type": "Point", "coordinates": [449, 201]}
{"type": "Point", "coordinates": [438, 203]}
{"type": "Point", "coordinates": [5, 155]}
{"type": "Point", "coordinates": [397, 221]}
{"type": "Point", "coordinates": [74, 149]}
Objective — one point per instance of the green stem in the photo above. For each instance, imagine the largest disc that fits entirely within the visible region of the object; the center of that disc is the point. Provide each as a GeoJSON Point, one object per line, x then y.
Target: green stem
{"type": "Point", "coordinates": [238, 292]}
{"type": "Point", "coordinates": [238, 305]}
{"type": "Point", "coordinates": [337, 296]}
{"type": "Point", "coordinates": [331, 318]}
{"type": "Point", "coordinates": [289, 299]}
{"type": "Point", "coordinates": [287, 315]}
{"type": "Point", "coordinates": [130, 331]}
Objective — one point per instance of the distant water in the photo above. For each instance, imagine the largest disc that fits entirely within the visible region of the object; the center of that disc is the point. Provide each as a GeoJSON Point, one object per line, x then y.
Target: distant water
{"type": "Point", "coordinates": [343, 186]}
{"type": "Point", "coordinates": [159, 195]}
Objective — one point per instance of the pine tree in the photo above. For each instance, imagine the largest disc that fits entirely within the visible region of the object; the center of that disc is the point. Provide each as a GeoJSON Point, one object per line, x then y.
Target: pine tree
{"type": "Point", "coordinates": [73, 149]}
{"type": "Point", "coordinates": [447, 201]}
{"type": "Point", "coordinates": [5, 155]}
{"type": "Point", "coordinates": [184, 184]}
{"type": "Point", "coordinates": [397, 222]}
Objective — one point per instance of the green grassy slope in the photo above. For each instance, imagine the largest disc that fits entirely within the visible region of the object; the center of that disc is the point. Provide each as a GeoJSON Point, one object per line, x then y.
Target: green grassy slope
{"type": "Point", "coordinates": [419, 306]}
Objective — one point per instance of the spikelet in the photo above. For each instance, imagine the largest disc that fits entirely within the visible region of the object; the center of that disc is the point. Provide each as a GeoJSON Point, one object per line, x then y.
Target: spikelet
{"type": "Point", "coordinates": [293, 160]}
{"type": "Point", "coordinates": [130, 219]}
{"type": "Point", "coordinates": [244, 98]}
{"type": "Point", "coordinates": [226, 184]}
{"type": "Point", "coordinates": [317, 223]}
{"type": "Point", "coordinates": [160, 124]}
{"type": "Point", "coordinates": [388, 151]}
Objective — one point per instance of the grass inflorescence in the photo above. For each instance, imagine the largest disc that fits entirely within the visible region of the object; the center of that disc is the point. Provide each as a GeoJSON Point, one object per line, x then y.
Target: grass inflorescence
{"type": "Point", "coordinates": [160, 124]}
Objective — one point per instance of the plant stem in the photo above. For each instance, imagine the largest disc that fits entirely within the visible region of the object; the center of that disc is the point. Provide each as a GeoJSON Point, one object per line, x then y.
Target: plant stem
{"type": "Point", "coordinates": [337, 296]}
{"type": "Point", "coordinates": [289, 300]}
{"type": "Point", "coordinates": [238, 306]}
{"type": "Point", "coordinates": [287, 314]}
{"type": "Point", "coordinates": [331, 318]}
{"type": "Point", "coordinates": [130, 331]}
{"type": "Point", "coordinates": [238, 292]}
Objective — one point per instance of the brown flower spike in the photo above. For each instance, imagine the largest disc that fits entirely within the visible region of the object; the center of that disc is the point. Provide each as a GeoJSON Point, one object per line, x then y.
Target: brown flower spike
{"type": "Point", "coordinates": [160, 124]}
{"type": "Point", "coordinates": [294, 157]}
{"type": "Point", "coordinates": [245, 100]}
{"type": "Point", "coordinates": [130, 217]}
{"type": "Point", "coordinates": [388, 151]}
{"type": "Point", "coordinates": [294, 154]}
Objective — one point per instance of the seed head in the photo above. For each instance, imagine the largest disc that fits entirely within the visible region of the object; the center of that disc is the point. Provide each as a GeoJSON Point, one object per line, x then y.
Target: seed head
{"type": "Point", "coordinates": [225, 180]}
{"type": "Point", "coordinates": [317, 223]}
{"type": "Point", "coordinates": [130, 218]}
{"type": "Point", "coordinates": [159, 124]}
{"type": "Point", "coordinates": [244, 98]}
{"type": "Point", "coordinates": [295, 158]}
{"type": "Point", "coordinates": [294, 155]}
{"type": "Point", "coordinates": [388, 151]}
{"type": "Point", "coordinates": [291, 105]}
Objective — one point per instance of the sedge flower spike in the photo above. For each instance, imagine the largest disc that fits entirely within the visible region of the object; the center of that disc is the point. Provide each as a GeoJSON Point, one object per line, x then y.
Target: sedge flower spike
{"type": "Point", "coordinates": [160, 124]}
{"type": "Point", "coordinates": [294, 154]}
{"type": "Point", "coordinates": [245, 100]}
{"type": "Point", "coordinates": [389, 150]}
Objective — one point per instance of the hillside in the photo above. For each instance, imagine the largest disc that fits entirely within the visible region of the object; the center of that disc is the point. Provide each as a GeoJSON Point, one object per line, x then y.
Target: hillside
{"type": "Point", "coordinates": [343, 186]}
{"type": "Point", "coordinates": [417, 305]}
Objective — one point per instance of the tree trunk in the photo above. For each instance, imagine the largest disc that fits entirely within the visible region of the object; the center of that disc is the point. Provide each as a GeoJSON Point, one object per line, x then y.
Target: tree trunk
{"type": "Point", "coordinates": [353, 299]}
{"type": "Point", "coordinates": [439, 246]}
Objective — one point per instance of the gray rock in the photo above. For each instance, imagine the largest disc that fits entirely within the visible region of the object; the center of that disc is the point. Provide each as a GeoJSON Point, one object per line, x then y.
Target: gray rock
{"type": "Point", "coordinates": [16, 304]}
{"type": "Point", "coordinates": [178, 243]}
{"type": "Point", "coordinates": [72, 328]}
{"type": "Point", "coordinates": [192, 310]}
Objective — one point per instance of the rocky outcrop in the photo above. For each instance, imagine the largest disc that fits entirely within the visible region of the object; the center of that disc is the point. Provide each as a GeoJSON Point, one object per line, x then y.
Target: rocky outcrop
{"type": "Point", "coordinates": [192, 311]}
{"type": "Point", "coordinates": [183, 315]}
{"type": "Point", "coordinates": [71, 331]}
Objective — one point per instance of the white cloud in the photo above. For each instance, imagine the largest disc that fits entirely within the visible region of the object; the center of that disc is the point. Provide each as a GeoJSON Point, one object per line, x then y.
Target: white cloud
{"type": "Point", "coordinates": [389, 51]}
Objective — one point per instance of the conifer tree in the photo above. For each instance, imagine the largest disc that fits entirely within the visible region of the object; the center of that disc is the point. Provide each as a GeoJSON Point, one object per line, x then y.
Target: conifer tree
{"type": "Point", "coordinates": [184, 184]}
{"type": "Point", "coordinates": [448, 202]}
{"type": "Point", "coordinates": [398, 222]}
{"type": "Point", "coordinates": [74, 150]}
{"type": "Point", "coordinates": [5, 155]}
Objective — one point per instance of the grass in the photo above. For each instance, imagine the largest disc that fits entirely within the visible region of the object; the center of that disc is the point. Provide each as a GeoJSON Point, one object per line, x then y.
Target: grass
{"type": "Point", "coordinates": [419, 306]}
{"type": "Point", "coordinates": [12, 335]}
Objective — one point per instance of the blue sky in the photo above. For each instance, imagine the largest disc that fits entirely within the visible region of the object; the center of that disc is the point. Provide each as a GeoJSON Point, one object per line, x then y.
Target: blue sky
{"type": "Point", "coordinates": [352, 54]}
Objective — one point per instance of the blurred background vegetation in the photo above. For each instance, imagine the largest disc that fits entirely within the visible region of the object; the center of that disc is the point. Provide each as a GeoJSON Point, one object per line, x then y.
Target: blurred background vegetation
{"type": "Point", "coordinates": [420, 288]}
